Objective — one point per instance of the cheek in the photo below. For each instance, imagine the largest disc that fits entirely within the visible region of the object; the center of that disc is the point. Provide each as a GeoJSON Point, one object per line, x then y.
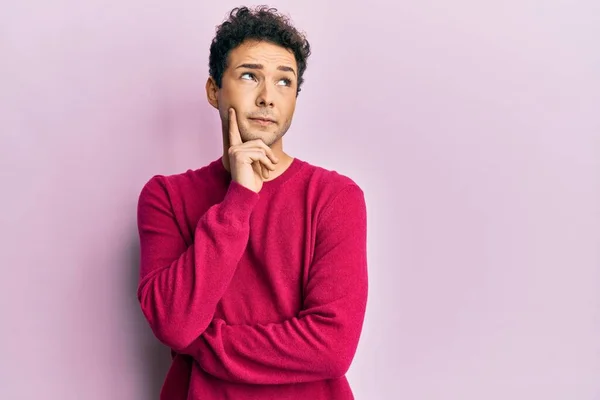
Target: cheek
{"type": "Point", "coordinates": [223, 113]}
{"type": "Point", "coordinates": [222, 101]}
{"type": "Point", "coordinates": [230, 99]}
{"type": "Point", "coordinates": [290, 108]}
{"type": "Point", "coordinates": [241, 98]}
{"type": "Point", "coordinates": [223, 105]}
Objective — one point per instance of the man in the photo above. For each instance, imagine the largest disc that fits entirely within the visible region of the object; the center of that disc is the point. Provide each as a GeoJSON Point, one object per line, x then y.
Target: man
{"type": "Point", "coordinates": [253, 268]}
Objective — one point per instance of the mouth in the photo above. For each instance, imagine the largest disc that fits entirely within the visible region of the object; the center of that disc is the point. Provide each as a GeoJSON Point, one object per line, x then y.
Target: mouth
{"type": "Point", "coordinates": [262, 121]}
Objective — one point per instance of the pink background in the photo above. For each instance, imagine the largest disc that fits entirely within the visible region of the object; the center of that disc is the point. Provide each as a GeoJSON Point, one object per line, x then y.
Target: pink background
{"type": "Point", "coordinates": [473, 127]}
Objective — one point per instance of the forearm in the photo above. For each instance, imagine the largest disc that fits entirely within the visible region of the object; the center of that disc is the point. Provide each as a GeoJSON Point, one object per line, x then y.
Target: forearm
{"type": "Point", "coordinates": [178, 295]}
{"type": "Point", "coordinates": [309, 348]}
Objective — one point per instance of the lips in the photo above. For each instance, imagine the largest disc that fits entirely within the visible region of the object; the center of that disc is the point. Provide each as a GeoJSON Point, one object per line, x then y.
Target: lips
{"type": "Point", "coordinates": [263, 120]}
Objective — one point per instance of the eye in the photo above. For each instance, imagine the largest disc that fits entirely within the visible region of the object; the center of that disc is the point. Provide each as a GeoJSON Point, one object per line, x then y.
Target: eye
{"type": "Point", "coordinates": [247, 76]}
{"type": "Point", "coordinates": [286, 82]}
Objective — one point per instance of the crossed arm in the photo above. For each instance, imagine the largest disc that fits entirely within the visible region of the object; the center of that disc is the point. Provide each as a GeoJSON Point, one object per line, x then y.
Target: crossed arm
{"type": "Point", "coordinates": [177, 282]}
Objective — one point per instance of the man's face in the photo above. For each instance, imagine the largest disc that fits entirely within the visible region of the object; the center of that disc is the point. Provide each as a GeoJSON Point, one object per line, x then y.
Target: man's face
{"type": "Point", "coordinates": [260, 83]}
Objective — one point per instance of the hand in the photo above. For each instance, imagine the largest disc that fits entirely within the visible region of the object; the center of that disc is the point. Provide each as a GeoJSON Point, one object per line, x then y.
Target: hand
{"type": "Point", "coordinates": [249, 162]}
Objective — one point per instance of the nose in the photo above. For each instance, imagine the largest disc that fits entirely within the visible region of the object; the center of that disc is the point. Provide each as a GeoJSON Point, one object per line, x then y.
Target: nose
{"type": "Point", "coordinates": [265, 96]}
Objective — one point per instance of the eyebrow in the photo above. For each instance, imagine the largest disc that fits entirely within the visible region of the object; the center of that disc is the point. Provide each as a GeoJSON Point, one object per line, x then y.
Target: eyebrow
{"type": "Point", "coordinates": [260, 66]}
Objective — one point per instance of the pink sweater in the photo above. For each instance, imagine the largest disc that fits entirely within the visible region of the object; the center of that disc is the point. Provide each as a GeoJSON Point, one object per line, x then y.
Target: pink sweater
{"type": "Point", "coordinates": [259, 296]}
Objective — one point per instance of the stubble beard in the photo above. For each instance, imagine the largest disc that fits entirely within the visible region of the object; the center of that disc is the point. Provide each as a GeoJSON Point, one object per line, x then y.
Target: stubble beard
{"type": "Point", "coordinates": [268, 137]}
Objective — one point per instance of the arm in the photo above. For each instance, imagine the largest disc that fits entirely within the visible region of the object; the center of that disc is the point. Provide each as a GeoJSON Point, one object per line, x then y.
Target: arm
{"type": "Point", "coordinates": [321, 342]}
{"type": "Point", "coordinates": [180, 284]}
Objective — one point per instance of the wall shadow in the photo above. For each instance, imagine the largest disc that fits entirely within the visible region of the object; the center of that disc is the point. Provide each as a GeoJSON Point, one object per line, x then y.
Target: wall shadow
{"type": "Point", "coordinates": [153, 357]}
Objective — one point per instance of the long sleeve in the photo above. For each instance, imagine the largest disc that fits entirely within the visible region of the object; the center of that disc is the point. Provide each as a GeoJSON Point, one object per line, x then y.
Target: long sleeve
{"type": "Point", "coordinates": [181, 284]}
{"type": "Point", "coordinates": [321, 341]}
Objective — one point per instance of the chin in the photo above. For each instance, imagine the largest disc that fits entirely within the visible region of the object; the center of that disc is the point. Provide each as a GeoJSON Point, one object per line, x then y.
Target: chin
{"type": "Point", "coordinates": [267, 137]}
{"type": "Point", "coordinates": [268, 140]}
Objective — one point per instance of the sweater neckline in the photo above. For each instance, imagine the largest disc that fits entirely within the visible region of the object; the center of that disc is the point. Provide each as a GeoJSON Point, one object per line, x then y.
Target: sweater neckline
{"type": "Point", "coordinates": [268, 186]}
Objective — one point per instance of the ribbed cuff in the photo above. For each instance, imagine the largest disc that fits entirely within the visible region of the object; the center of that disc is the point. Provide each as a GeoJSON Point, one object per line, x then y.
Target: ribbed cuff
{"type": "Point", "coordinates": [239, 202]}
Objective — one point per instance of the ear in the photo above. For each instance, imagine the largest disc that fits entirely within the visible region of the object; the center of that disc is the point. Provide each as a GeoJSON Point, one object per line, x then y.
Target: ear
{"type": "Point", "coordinates": [211, 92]}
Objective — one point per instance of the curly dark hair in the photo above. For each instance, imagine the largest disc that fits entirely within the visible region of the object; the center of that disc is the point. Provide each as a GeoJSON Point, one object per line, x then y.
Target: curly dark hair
{"type": "Point", "coordinates": [263, 24]}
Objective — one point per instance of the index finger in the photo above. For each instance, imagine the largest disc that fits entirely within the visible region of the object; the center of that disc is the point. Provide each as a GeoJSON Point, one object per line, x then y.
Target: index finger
{"type": "Point", "coordinates": [234, 133]}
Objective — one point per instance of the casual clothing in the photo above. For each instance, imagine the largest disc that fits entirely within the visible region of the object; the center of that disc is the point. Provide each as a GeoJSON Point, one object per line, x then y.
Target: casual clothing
{"type": "Point", "coordinates": [259, 295]}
